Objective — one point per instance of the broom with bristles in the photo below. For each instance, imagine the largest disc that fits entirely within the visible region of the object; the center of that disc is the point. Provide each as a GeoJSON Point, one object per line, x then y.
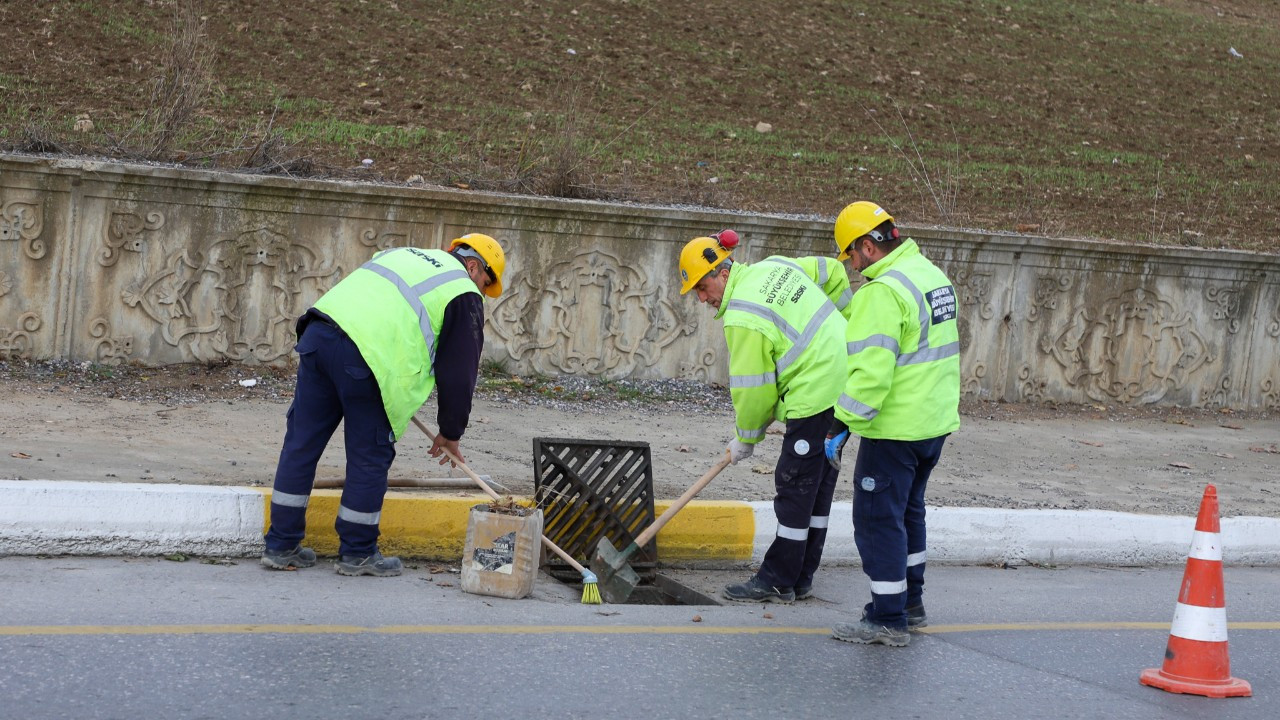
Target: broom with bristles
{"type": "Point", "coordinates": [590, 583]}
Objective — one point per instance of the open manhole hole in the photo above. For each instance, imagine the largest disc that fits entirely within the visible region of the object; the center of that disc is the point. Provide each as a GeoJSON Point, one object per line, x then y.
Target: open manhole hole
{"type": "Point", "coordinates": [663, 591]}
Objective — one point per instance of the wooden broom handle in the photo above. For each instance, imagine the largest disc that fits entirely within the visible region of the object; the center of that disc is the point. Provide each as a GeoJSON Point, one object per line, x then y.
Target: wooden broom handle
{"type": "Point", "coordinates": [485, 486]}
{"type": "Point", "coordinates": [683, 500]}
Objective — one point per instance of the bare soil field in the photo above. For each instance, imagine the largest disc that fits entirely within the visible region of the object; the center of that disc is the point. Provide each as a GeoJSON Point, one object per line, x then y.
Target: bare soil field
{"type": "Point", "coordinates": [1153, 121]}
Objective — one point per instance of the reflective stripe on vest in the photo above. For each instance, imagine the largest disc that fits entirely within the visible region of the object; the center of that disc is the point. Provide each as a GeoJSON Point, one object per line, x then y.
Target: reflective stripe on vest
{"type": "Point", "coordinates": [923, 353]}
{"type": "Point", "coordinates": [799, 339]}
{"type": "Point", "coordinates": [412, 294]}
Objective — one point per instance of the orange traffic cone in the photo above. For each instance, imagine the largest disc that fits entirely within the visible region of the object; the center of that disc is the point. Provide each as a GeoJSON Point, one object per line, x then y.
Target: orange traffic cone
{"type": "Point", "coordinates": [1195, 660]}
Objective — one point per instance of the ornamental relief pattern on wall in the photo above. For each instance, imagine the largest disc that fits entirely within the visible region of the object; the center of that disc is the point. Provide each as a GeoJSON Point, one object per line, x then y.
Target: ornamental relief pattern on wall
{"type": "Point", "coordinates": [109, 349]}
{"type": "Point", "coordinates": [1049, 288]}
{"type": "Point", "coordinates": [16, 342]}
{"type": "Point", "coordinates": [236, 300]}
{"type": "Point", "coordinates": [23, 222]}
{"type": "Point", "coordinates": [541, 320]}
{"type": "Point", "coordinates": [1130, 348]}
{"type": "Point", "coordinates": [973, 290]}
{"type": "Point", "coordinates": [127, 231]}
{"type": "Point", "coordinates": [1226, 305]}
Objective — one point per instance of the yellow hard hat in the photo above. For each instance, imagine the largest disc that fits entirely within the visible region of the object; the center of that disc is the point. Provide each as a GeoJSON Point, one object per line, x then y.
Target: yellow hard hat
{"type": "Point", "coordinates": [491, 252]}
{"type": "Point", "coordinates": [858, 219]}
{"type": "Point", "coordinates": [702, 254]}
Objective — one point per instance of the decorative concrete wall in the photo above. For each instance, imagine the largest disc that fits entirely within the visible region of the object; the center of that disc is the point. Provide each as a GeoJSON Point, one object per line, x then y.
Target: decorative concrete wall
{"type": "Point", "coordinates": [112, 263]}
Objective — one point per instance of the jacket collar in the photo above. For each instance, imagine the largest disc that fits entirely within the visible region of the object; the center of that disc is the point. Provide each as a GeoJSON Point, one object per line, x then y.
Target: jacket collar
{"type": "Point", "coordinates": [906, 249]}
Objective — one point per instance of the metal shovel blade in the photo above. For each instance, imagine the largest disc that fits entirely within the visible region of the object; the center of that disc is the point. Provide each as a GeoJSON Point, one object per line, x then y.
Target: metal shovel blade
{"type": "Point", "coordinates": [617, 579]}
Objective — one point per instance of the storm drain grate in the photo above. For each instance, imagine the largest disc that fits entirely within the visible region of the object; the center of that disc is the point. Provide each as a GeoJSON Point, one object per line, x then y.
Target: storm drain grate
{"type": "Point", "coordinates": [589, 489]}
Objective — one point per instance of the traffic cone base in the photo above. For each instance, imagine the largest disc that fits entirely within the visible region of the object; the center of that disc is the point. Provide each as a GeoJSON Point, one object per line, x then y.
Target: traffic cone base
{"type": "Point", "coordinates": [1169, 682]}
{"type": "Point", "coordinates": [1195, 660]}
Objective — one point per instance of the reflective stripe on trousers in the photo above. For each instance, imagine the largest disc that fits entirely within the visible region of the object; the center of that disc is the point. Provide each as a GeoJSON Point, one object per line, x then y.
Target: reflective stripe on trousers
{"type": "Point", "coordinates": [889, 481]}
{"type": "Point", "coordinates": [804, 484]}
{"type": "Point", "coordinates": [334, 385]}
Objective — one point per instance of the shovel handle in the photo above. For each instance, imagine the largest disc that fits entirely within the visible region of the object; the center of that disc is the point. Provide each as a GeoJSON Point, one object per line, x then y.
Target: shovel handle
{"type": "Point", "coordinates": [485, 486]}
{"type": "Point", "coordinates": [683, 500]}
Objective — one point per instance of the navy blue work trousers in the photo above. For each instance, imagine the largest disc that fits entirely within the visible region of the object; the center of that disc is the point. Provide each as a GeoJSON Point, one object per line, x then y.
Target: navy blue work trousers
{"type": "Point", "coordinates": [334, 384]}
{"type": "Point", "coordinates": [804, 484]}
{"type": "Point", "coordinates": [889, 479]}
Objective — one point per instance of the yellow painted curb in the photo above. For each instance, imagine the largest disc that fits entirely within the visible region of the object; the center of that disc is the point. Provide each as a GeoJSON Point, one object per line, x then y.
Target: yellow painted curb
{"type": "Point", "coordinates": [412, 526]}
{"type": "Point", "coordinates": [707, 530]}
{"type": "Point", "coordinates": [435, 528]}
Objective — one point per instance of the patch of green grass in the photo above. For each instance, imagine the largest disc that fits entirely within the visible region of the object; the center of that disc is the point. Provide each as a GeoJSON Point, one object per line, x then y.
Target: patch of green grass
{"type": "Point", "coordinates": [343, 132]}
{"type": "Point", "coordinates": [128, 26]}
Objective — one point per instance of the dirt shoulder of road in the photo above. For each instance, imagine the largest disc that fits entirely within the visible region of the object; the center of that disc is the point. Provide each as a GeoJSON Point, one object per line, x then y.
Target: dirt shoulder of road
{"type": "Point", "coordinates": [222, 425]}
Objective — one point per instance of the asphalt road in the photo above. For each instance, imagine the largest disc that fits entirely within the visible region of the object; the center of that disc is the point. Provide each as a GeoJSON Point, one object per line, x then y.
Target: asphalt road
{"type": "Point", "coordinates": [133, 638]}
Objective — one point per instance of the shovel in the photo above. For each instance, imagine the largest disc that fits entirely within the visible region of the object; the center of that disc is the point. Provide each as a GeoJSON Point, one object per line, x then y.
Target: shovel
{"type": "Point", "coordinates": [617, 578]}
{"type": "Point", "coordinates": [590, 596]}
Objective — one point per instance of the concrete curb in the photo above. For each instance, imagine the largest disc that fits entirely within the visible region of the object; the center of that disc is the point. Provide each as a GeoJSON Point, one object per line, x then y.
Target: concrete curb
{"type": "Point", "coordinates": [40, 517]}
{"type": "Point", "coordinates": [981, 536]}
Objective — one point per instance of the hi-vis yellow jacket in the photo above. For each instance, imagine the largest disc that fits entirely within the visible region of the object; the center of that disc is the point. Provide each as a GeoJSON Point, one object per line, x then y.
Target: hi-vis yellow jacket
{"type": "Point", "coordinates": [786, 345]}
{"type": "Point", "coordinates": [828, 274]}
{"type": "Point", "coordinates": [903, 351]}
{"type": "Point", "coordinates": [392, 308]}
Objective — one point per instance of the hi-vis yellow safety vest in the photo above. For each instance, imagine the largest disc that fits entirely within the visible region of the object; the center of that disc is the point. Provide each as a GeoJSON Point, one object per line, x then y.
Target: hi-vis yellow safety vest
{"type": "Point", "coordinates": [903, 351]}
{"type": "Point", "coordinates": [786, 345]}
{"type": "Point", "coordinates": [392, 307]}
{"type": "Point", "coordinates": [828, 274]}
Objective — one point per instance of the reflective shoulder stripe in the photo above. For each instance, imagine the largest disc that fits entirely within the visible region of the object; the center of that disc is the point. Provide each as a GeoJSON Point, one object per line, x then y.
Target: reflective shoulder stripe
{"type": "Point", "coordinates": [766, 313]}
{"type": "Point", "coordinates": [412, 294]}
{"type": "Point", "coordinates": [799, 344]}
{"type": "Point", "coordinates": [880, 341]}
{"type": "Point", "coordinates": [921, 306]}
{"type": "Point", "coordinates": [359, 518]}
{"type": "Point", "coordinates": [823, 273]}
{"type": "Point", "coordinates": [866, 412]}
{"type": "Point", "coordinates": [289, 499]}
{"type": "Point", "coordinates": [788, 263]}
{"type": "Point", "coordinates": [436, 281]}
{"type": "Point", "coordinates": [888, 588]}
{"type": "Point", "coordinates": [747, 381]}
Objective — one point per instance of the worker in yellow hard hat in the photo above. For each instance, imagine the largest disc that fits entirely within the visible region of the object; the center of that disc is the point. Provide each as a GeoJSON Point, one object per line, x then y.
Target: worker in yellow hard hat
{"type": "Point", "coordinates": [370, 352]}
{"type": "Point", "coordinates": [901, 395]}
{"type": "Point", "coordinates": [786, 361]}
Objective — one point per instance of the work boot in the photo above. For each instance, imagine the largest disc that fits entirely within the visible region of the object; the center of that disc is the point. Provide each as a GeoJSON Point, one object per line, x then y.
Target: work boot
{"type": "Point", "coordinates": [299, 557]}
{"type": "Point", "coordinates": [916, 618]}
{"type": "Point", "coordinates": [374, 565]}
{"type": "Point", "coordinates": [804, 593]}
{"type": "Point", "coordinates": [867, 633]}
{"type": "Point", "coordinates": [755, 590]}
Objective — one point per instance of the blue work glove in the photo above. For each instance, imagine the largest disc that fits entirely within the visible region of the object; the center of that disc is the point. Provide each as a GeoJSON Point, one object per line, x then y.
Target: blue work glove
{"type": "Point", "coordinates": [833, 446]}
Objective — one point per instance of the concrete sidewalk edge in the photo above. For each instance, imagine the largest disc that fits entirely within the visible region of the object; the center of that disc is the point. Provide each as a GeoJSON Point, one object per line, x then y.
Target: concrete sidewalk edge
{"type": "Point", "coordinates": [40, 517]}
